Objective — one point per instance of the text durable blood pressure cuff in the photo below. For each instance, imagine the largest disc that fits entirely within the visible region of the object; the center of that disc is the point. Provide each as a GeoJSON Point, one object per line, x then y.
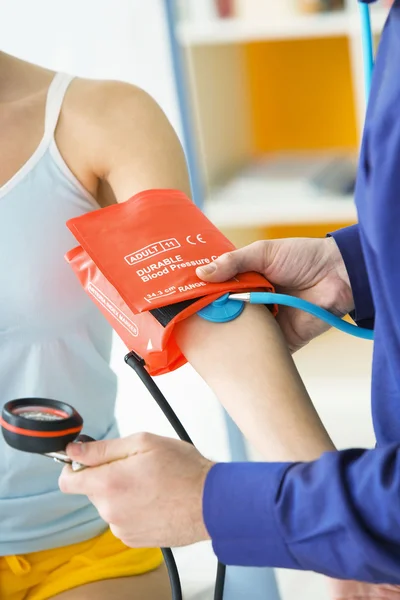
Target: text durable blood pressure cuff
{"type": "Point", "coordinates": [139, 257]}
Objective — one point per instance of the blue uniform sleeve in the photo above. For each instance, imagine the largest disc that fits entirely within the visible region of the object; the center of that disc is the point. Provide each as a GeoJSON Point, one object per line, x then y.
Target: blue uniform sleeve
{"type": "Point", "coordinates": [339, 515]}
{"type": "Point", "coordinates": [349, 243]}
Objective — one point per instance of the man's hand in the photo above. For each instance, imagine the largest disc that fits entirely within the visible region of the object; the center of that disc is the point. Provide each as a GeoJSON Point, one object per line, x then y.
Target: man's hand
{"type": "Point", "coordinates": [148, 488]}
{"type": "Point", "coordinates": [352, 590]}
{"type": "Point", "coordinates": [308, 268]}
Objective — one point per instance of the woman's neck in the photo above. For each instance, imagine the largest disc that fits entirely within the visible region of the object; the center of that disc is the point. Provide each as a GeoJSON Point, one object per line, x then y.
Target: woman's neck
{"type": "Point", "coordinates": [20, 80]}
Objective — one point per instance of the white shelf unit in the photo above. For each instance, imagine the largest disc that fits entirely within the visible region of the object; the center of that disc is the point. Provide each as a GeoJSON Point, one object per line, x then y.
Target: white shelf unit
{"type": "Point", "coordinates": [215, 64]}
{"type": "Point", "coordinates": [235, 30]}
{"type": "Point", "coordinates": [248, 202]}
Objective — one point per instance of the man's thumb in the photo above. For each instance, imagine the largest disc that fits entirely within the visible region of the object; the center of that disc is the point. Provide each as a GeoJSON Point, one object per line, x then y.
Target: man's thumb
{"type": "Point", "coordinates": [94, 454]}
{"type": "Point", "coordinates": [250, 258]}
{"type": "Point", "coordinates": [223, 268]}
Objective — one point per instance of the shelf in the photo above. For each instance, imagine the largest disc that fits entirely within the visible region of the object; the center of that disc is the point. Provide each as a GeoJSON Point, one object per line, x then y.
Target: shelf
{"type": "Point", "coordinates": [247, 203]}
{"type": "Point", "coordinates": [228, 31]}
{"type": "Point", "coordinates": [239, 30]}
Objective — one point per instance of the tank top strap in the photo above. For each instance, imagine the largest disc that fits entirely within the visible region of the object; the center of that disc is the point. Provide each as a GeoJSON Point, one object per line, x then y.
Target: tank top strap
{"type": "Point", "coordinates": [54, 102]}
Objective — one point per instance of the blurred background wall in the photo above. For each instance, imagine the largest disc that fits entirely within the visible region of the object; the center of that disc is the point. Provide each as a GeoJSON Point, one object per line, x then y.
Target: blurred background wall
{"type": "Point", "coordinates": [124, 40]}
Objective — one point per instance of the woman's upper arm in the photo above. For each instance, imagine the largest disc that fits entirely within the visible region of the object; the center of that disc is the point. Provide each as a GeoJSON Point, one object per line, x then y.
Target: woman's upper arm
{"type": "Point", "coordinates": [134, 146]}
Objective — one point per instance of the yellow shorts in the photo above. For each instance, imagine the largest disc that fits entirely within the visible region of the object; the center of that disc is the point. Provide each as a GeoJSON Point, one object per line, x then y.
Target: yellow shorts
{"type": "Point", "coordinates": [41, 575]}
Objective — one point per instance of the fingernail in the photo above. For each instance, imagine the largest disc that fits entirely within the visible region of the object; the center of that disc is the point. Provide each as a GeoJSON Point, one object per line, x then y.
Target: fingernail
{"type": "Point", "coordinates": [76, 448]}
{"type": "Point", "coordinates": [207, 270]}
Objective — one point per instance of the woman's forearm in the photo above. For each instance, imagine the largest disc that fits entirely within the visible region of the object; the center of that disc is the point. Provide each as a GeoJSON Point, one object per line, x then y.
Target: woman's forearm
{"type": "Point", "coordinates": [248, 366]}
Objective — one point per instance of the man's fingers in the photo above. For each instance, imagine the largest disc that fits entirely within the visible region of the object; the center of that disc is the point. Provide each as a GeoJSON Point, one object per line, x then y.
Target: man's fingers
{"type": "Point", "coordinates": [250, 258]}
{"type": "Point", "coordinates": [84, 483]}
{"type": "Point", "coordinates": [353, 590]}
{"type": "Point", "coordinates": [297, 326]}
{"type": "Point", "coordinates": [93, 454]}
{"type": "Point", "coordinates": [131, 541]}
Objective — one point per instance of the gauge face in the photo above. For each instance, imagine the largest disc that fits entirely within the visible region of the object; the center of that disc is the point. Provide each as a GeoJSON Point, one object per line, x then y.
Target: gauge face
{"type": "Point", "coordinates": [40, 413]}
{"type": "Point", "coordinates": [39, 425]}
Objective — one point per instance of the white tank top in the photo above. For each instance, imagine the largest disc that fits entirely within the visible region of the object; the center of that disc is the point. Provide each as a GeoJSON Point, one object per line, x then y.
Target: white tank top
{"type": "Point", "coordinates": [54, 343]}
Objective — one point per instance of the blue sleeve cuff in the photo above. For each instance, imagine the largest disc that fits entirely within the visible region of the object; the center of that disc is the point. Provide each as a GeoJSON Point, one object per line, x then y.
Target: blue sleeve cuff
{"type": "Point", "coordinates": [349, 243]}
{"type": "Point", "coordinates": [239, 513]}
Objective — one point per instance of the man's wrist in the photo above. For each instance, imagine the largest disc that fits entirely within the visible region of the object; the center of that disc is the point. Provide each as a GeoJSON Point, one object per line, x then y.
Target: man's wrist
{"type": "Point", "coordinates": [348, 241]}
{"type": "Point", "coordinates": [201, 533]}
{"type": "Point", "coordinates": [344, 292]}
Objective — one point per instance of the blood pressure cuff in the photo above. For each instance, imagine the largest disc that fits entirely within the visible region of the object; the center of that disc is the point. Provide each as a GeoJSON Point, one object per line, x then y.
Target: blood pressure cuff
{"type": "Point", "coordinates": [137, 261]}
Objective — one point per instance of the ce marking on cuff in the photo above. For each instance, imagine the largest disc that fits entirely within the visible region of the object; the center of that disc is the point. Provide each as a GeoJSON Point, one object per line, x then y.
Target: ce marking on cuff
{"type": "Point", "coordinates": [198, 238]}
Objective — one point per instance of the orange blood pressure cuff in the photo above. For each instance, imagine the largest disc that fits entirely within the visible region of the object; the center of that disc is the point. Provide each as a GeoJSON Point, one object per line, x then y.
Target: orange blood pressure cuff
{"type": "Point", "coordinates": [137, 261]}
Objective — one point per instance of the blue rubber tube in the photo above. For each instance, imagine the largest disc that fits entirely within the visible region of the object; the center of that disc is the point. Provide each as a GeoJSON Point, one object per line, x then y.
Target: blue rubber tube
{"type": "Point", "coordinates": [312, 309]}
{"type": "Point", "coordinates": [368, 45]}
